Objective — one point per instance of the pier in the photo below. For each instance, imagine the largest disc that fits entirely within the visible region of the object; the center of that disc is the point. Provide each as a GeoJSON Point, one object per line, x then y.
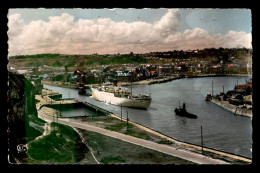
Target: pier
{"type": "Point", "coordinates": [234, 109]}
{"type": "Point", "coordinates": [46, 100]}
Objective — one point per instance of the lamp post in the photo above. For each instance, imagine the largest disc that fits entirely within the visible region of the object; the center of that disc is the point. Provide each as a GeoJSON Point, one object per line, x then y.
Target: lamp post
{"type": "Point", "coordinates": [212, 88]}
{"type": "Point", "coordinates": [201, 139]}
{"type": "Point", "coordinates": [121, 113]}
{"type": "Point", "coordinates": [53, 120]}
{"type": "Point", "coordinates": [127, 120]}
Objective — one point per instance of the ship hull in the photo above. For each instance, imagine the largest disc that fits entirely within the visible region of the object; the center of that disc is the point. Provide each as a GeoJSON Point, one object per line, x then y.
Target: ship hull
{"type": "Point", "coordinates": [111, 99]}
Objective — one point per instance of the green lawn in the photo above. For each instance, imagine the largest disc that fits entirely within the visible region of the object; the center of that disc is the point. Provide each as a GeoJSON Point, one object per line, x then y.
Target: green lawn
{"type": "Point", "coordinates": [118, 127]}
{"type": "Point", "coordinates": [137, 134]}
{"type": "Point", "coordinates": [62, 145]}
{"type": "Point", "coordinates": [127, 130]}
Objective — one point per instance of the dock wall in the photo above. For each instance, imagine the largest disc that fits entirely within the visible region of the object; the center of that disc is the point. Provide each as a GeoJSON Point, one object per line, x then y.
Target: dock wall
{"type": "Point", "coordinates": [234, 109]}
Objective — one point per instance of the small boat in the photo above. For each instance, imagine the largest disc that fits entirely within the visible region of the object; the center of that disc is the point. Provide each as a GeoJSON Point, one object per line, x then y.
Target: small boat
{"type": "Point", "coordinates": [182, 112]}
{"type": "Point", "coordinates": [82, 90]}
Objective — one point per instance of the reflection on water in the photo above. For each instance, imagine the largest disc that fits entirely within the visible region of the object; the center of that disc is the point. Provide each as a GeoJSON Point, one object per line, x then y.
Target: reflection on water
{"type": "Point", "coordinates": [222, 129]}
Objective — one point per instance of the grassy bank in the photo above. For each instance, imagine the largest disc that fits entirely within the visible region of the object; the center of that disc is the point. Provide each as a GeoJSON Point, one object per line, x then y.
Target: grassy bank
{"type": "Point", "coordinates": [127, 130]}
{"type": "Point", "coordinates": [114, 151]}
{"type": "Point", "coordinates": [62, 145]}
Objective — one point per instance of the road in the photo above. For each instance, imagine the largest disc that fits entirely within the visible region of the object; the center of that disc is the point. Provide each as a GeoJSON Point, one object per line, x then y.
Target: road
{"type": "Point", "coordinates": [187, 155]}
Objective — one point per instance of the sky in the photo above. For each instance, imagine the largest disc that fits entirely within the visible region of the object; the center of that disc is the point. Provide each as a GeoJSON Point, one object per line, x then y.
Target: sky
{"type": "Point", "coordinates": [112, 31]}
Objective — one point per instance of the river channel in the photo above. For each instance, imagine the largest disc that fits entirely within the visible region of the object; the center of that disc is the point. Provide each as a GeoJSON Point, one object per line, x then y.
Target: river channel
{"type": "Point", "coordinates": [222, 130]}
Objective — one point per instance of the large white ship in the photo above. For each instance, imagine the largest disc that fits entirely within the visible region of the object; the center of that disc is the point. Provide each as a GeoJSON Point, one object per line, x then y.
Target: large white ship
{"type": "Point", "coordinates": [120, 96]}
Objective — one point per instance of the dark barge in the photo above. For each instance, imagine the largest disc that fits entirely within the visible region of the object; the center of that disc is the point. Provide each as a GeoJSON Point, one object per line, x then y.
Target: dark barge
{"type": "Point", "coordinates": [183, 112]}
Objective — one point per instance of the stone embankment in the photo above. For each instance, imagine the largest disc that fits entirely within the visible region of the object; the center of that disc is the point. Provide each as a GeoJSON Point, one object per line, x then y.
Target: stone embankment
{"type": "Point", "coordinates": [150, 81]}
{"type": "Point", "coordinates": [217, 75]}
{"type": "Point", "coordinates": [45, 99]}
{"type": "Point", "coordinates": [59, 84]}
{"type": "Point", "coordinates": [235, 109]}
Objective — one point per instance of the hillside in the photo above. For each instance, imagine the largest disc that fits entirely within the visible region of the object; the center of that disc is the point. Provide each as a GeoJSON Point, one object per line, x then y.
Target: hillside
{"type": "Point", "coordinates": [39, 137]}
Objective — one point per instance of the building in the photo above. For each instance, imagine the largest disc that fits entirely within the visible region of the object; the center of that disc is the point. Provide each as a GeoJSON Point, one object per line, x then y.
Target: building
{"type": "Point", "coordinates": [166, 69]}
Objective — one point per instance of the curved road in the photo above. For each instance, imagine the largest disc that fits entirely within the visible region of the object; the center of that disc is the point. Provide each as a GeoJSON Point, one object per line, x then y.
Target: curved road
{"type": "Point", "coordinates": [187, 155]}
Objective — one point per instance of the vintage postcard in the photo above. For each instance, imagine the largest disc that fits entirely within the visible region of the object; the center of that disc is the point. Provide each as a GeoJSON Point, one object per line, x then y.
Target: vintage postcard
{"type": "Point", "coordinates": [129, 86]}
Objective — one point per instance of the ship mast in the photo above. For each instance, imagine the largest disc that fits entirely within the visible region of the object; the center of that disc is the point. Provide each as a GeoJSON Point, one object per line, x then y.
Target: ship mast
{"type": "Point", "coordinates": [212, 88]}
{"type": "Point", "coordinates": [131, 83]}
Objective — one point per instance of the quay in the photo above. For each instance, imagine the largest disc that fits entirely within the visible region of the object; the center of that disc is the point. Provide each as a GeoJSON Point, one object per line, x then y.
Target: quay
{"type": "Point", "coordinates": [46, 100]}
{"type": "Point", "coordinates": [141, 82]}
{"type": "Point", "coordinates": [64, 85]}
{"type": "Point", "coordinates": [151, 81]}
{"type": "Point", "coordinates": [216, 75]}
{"type": "Point", "coordinates": [237, 101]}
{"type": "Point", "coordinates": [233, 108]}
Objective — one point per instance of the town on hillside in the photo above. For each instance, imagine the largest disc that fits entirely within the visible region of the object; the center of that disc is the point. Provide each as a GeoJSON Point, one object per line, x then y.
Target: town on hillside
{"type": "Point", "coordinates": [106, 68]}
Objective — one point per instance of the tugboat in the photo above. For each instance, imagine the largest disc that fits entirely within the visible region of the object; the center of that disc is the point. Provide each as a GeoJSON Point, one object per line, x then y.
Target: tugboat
{"type": "Point", "coordinates": [182, 112]}
{"type": "Point", "coordinates": [82, 90]}
{"type": "Point", "coordinates": [80, 83]}
{"type": "Point", "coordinates": [208, 97]}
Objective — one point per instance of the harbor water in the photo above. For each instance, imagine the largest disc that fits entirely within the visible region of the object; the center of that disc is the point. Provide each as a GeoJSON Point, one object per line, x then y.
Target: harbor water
{"type": "Point", "coordinates": [222, 130]}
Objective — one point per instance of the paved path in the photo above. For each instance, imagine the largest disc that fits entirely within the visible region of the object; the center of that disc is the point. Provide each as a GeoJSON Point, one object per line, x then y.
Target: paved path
{"type": "Point", "coordinates": [187, 155]}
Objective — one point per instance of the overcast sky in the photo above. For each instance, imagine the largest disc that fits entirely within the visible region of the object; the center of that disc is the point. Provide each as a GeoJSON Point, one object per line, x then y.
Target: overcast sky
{"type": "Point", "coordinates": [111, 31]}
